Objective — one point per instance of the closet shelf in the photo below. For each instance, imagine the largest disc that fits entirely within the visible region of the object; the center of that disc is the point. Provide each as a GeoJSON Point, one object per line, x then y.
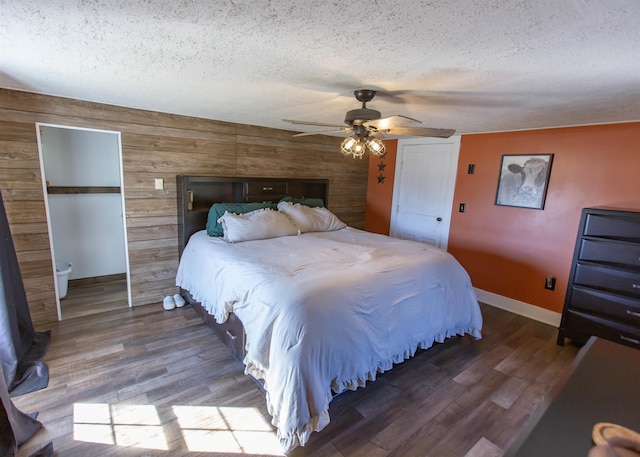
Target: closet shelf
{"type": "Point", "coordinates": [83, 190]}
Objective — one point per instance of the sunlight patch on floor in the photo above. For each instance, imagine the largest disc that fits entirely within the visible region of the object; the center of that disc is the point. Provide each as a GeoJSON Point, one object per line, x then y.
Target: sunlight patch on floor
{"type": "Point", "coordinates": [227, 429]}
{"type": "Point", "coordinates": [121, 425]}
{"type": "Point", "coordinates": [203, 428]}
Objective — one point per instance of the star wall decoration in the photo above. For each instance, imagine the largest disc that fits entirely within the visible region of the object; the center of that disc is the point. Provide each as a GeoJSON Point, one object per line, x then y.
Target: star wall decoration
{"type": "Point", "coordinates": [381, 167]}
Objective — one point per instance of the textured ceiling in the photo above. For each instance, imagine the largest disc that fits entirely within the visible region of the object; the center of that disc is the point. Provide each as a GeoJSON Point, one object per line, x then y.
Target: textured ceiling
{"type": "Point", "coordinates": [470, 65]}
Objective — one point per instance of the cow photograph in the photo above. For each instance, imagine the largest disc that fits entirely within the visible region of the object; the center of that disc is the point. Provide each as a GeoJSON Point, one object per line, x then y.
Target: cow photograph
{"type": "Point", "coordinates": [523, 180]}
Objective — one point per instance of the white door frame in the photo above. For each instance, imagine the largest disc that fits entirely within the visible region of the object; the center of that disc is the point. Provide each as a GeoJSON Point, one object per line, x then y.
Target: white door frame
{"type": "Point", "coordinates": [449, 181]}
{"type": "Point", "coordinates": [48, 215]}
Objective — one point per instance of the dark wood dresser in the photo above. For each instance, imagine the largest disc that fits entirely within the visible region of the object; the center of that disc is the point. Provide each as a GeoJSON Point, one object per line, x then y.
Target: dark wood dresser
{"type": "Point", "coordinates": [603, 295]}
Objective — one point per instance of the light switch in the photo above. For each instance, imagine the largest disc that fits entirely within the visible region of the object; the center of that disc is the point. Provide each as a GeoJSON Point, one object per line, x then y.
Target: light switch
{"type": "Point", "coordinates": [159, 183]}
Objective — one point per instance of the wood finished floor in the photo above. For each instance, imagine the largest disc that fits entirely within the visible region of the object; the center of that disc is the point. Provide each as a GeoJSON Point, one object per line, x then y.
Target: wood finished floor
{"type": "Point", "coordinates": [149, 382]}
{"type": "Point", "coordinates": [93, 297]}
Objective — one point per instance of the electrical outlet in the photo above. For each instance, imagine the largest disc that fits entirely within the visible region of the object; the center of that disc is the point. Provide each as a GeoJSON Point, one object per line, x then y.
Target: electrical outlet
{"type": "Point", "coordinates": [471, 169]}
{"type": "Point", "coordinates": [159, 183]}
{"type": "Point", "coordinates": [550, 283]}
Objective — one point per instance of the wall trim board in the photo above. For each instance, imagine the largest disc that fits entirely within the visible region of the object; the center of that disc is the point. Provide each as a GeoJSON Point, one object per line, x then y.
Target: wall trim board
{"type": "Point", "coordinates": [553, 127]}
{"type": "Point", "coordinates": [518, 307]}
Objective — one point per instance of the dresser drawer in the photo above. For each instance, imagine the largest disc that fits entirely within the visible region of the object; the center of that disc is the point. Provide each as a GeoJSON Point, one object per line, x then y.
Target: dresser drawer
{"type": "Point", "coordinates": [626, 282]}
{"type": "Point", "coordinates": [586, 325]}
{"type": "Point", "coordinates": [619, 225]}
{"type": "Point", "coordinates": [231, 332]}
{"type": "Point", "coordinates": [612, 252]}
{"type": "Point", "coordinates": [609, 305]}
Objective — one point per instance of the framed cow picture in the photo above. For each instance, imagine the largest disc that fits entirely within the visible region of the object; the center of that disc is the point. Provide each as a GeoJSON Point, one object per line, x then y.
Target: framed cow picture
{"type": "Point", "coordinates": [523, 180]}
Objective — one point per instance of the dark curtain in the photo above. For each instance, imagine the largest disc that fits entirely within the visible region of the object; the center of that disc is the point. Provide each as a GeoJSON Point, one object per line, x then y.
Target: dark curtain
{"type": "Point", "coordinates": [21, 350]}
{"type": "Point", "coordinates": [21, 347]}
{"type": "Point", "coordinates": [16, 427]}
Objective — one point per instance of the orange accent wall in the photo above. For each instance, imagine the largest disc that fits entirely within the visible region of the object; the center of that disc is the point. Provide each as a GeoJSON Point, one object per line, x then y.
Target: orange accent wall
{"type": "Point", "coordinates": [380, 194]}
{"type": "Point", "coordinates": [510, 251]}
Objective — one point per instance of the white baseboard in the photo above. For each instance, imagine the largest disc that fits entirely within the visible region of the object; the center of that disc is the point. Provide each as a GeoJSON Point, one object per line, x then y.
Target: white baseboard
{"type": "Point", "coordinates": [519, 307]}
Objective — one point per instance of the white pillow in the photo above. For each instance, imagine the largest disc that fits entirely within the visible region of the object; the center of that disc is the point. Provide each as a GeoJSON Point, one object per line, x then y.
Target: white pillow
{"type": "Point", "coordinates": [255, 225]}
{"type": "Point", "coordinates": [309, 219]}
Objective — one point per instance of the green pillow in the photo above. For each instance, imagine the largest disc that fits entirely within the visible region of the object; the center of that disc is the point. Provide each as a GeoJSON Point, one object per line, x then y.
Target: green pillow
{"type": "Point", "coordinates": [310, 202]}
{"type": "Point", "coordinates": [217, 210]}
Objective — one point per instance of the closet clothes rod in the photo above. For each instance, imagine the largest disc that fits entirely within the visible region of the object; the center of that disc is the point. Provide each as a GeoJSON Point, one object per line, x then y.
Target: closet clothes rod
{"type": "Point", "coordinates": [83, 189]}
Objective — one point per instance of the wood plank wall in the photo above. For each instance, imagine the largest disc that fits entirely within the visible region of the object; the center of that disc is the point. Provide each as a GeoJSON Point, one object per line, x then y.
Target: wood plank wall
{"type": "Point", "coordinates": [154, 145]}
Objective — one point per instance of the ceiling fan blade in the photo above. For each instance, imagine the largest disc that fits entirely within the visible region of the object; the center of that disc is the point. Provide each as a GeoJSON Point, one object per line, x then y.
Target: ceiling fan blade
{"type": "Point", "coordinates": [391, 122]}
{"type": "Point", "coordinates": [319, 124]}
{"type": "Point", "coordinates": [323, 132]}
{"type": "Point", "coordinates": [420, 131]}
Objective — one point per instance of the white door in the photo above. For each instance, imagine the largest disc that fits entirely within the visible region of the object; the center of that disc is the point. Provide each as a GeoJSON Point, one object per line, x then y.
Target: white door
{"type": "Point", "coordinates": [423, 189]}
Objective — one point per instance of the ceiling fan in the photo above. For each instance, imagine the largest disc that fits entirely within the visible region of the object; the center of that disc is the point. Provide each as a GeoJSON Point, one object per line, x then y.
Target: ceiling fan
{"type": "Point", "coordinates": [367, 127]}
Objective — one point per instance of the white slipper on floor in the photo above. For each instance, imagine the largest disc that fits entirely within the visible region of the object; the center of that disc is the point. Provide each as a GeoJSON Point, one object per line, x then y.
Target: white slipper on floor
{"type": "Point", "coordinates": [168, 303]}
{"type": "Point", "coordinates": [179, 300]}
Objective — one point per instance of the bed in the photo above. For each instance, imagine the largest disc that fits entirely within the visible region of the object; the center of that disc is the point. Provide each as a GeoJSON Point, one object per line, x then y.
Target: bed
{"type": "Point", "coordinates": [315, 313]}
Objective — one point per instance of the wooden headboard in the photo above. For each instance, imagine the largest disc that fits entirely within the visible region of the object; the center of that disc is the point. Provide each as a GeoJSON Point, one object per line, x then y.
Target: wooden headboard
{"type": "Point", "coordinates": [196, 194]}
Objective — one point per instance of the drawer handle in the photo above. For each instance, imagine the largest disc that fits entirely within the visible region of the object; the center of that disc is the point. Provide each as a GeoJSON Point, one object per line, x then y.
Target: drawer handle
{"type": "Point", "coordinates": [267, 188]}
{"type": "Point", "coordinates": [633, 313]}
{"type": "Point", "coordinates": [629, 340]}
{"type": "Point", "coordinates": [231, 335]}
{"type": "Point", "coordinates": [636, 286]}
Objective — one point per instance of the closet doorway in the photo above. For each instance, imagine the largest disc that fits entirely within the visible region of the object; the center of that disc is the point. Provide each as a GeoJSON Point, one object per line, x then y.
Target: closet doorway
{"type": "Point", "coordinates": [84, 201]}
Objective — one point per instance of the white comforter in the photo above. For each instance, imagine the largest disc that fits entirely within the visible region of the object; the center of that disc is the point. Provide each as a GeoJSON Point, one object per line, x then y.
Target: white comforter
{"type": "Point", "coordinates": [328, 311]}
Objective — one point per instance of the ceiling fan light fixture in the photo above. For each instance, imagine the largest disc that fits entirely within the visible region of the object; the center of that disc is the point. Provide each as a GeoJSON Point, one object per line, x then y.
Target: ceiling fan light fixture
{"type": "Point", "coordinates": [353, 146]}
{"type": "Point", "coordinates": [348, 144]}
{"type": "Point", "coordinates": [357, 147]}
{"type": "Point", "coordinates": [367, 126]}
{"type": "Point", "coordinates": [376, 146]}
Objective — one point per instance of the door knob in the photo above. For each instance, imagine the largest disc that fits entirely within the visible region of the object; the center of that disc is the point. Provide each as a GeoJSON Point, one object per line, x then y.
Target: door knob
{"type": "Point", "coordinates": [439, 219]}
